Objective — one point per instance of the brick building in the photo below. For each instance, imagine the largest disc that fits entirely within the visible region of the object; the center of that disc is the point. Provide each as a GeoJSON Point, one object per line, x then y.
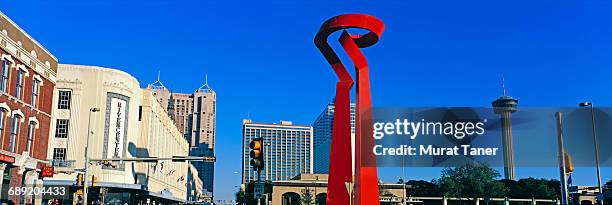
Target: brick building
{"type": "Point", "coordinates": [27, 78]}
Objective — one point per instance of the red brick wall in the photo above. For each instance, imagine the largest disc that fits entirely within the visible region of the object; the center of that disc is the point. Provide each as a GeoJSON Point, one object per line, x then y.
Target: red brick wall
{"type": "Point", "coordinates": [45, 100]}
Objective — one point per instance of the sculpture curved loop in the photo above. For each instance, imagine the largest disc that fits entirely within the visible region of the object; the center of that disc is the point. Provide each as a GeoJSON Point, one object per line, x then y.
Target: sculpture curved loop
{"type": "Point", "coordinates": [340, 171]}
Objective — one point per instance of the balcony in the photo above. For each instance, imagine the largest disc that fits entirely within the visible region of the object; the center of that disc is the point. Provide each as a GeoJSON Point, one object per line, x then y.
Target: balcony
{"type": "Point", "coordinates": [63, 163]}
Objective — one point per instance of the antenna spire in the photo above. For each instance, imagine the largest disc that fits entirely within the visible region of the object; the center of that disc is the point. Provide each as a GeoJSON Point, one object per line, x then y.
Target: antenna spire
{"type": "Point", "coordinates": [503, 85]}
{"type": "Point", "coordinates": [157, 84]}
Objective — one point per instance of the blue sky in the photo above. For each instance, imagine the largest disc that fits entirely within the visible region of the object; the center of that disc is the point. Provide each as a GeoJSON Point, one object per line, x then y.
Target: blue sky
{"type": "Point", "coordinates": [261, 60]}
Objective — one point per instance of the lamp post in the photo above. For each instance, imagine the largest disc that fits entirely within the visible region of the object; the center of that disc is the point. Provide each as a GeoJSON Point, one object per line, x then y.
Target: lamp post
{"type": "Point", "coordinates": [85, 181]}
{"type": "Point", "coordinates": [590, 105]}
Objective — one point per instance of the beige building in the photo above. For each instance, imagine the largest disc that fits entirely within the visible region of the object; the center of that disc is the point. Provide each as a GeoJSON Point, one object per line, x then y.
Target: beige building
{"type": "Point", "coordinates": [314, 187]}
{"type": "Point", "coordinates": [195, 116]}
{"type": "Point", "coordinates": [130, 123]}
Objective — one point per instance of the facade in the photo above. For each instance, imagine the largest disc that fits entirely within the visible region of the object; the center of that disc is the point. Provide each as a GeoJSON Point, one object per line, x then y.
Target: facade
{"type": "Point", "coordinates": [194, 186]}
{"type": "Point", "coordinates": [130, 123]}
{"type": "Point", "coordinates": [27, 76]}
{"type": "Point", "coordinates": [195, 116]}
{"type": "Point", "coordinates": [183, 109]}
{"type": "Point", "coordinates": [322, 137]}
{"type": "Point", "coordinates": [314, 187]}
{"type": "Point", "coordinates": [287, 150]}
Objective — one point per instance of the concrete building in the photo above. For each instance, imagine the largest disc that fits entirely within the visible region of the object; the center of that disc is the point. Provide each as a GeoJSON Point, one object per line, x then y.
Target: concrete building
{"type": "Point", "coordinates": [183, 109]}
{"type": "Point", "coordinates": [580, 195]}
{"type": "Point", "coordinates": [287, 150]}
{"type": "Point", "coordinates": [195, 186]}
{"type": "Point", "coordinates": [314, 187]}
{"type": "Point", "coordinates": [131, 123]}
{"type": "Point", "coordinates": [27, 77]}
{"type": "Point", "coordinates": [323, 134]}
{"type": "Point", "coordinates": [195, 116]}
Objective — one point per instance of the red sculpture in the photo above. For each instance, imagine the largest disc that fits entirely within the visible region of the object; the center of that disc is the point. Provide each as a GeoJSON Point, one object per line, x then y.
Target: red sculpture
{"type": "Point", "coordinates": [340, 172]}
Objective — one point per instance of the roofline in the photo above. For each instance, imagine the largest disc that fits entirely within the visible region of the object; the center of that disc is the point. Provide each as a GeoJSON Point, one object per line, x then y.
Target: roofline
{"type": "Point", "coordinates": [269, 124]}
{"type": "Point", "coordinates": [28, 35]}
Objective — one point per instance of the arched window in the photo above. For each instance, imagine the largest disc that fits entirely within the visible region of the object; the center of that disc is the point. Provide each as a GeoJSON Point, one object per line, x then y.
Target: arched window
{"type": "Point", "coordinates": [32, 126]}
{"type": "Point", "coordinates": [4, 72]}
{"type": "Point", "coordinates": [14, 132]}
{"type": "Point", "coordinates": [19, 83]}
{"type": "Point", "coordinates": [3, 114]}
{"type": "Point", "coordinates": [36, 83]}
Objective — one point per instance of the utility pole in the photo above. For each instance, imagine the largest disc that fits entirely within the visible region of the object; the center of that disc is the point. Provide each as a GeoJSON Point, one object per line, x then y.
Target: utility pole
{"type": "Point", "coordinates": [85, 181]}
{"type": "Point", "coordinates": [561, 153]}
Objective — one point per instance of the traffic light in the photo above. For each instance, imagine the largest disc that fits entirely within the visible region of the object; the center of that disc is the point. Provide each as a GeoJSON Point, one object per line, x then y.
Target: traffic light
{"type": "Point", "coordinates": [569, 165]}
{"type": "Point", "coordinates": [257, 153]}
{"type": "Point", "coordinates": [79, 180]}
{"type": "Point", "coordinates": [107, 164]}
{"type": "Point", "coordinates": [94, 180]}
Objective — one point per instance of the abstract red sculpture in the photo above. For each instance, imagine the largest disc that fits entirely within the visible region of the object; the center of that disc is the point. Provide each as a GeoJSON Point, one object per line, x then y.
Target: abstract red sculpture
{"type": "Point", "coordinates": [340, 171]}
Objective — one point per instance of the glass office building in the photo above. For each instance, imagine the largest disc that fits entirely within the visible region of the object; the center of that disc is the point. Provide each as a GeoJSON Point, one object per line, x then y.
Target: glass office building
{"type": "Point", "coordinates": [322, 137]}
{"type": "Point", "coordinates": [287, 150]}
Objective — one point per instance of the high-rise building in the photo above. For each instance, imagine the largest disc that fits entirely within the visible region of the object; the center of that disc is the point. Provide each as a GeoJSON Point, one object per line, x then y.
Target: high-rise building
{"type": "Point", "coordinates": [195, 116]}
{"type": "Point", "coordinates": [287, 150]}
{"type": "Point", "coordinates": [322, 137]}
{"type": "Point", "coordinates": [130, 123]}
{"type": "Point", "coordinates": [161, 93]}
{"type": "Point", "coordinates": [27, 76]}
{"type": "Point", "coordinates": [203, 117]}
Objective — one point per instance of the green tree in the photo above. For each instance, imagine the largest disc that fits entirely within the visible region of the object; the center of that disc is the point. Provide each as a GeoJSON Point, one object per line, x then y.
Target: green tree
{"type": "Point", "coordinates": [422, 188]}
{"type": "Point", "coordinates": [470, 180]}
{"type": "Point", "coordinates": [307, 197]}
{"type": "Point", "coordinates": [533, 188]}
{"type": "Point", "coordinates": [240, 197]}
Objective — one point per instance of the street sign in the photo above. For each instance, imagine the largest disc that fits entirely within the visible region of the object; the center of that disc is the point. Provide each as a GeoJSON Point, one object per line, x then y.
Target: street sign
{"type": "Point", "coordinates": [349, 187]}
{"type": "Point", "coordinates": [47, 171]}
{"type": "Point", "coordinates": [258, 190]}
{"type": "Point", "coordinates": [103, 191]}
{"type": "Point", "coordinates": [600, 197]}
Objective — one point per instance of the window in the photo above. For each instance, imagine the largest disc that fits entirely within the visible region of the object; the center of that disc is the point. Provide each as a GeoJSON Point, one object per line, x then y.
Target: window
{"type": "Point", "coordinates": [61, 128]}
{"type": "Point", "coordinates": [14, 132]}
{"type": "Point", "coordinates": [19, 85]}
{"type": "Point", "coordinates": [64, 99]}
{"type": "Point", "coordinates": [35, 90]}
{"type": "Point", "coordinates": [2, 115]}
{"type": "Point", "coordinates": [4, 75]}
{"type": "Point", "coordinates": [31, 132]}
{"type": "Point", "coordinates": [59, 154]}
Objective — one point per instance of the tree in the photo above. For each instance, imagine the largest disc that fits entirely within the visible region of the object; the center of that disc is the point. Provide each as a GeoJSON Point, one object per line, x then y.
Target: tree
{"type": "Point", "coordinates": [470, 180]}
{"type": "Point", "coordinates": [533, 188]}
{"type": "Point", "coordinates": [240, 197]}
{"type": "Point", "coordinates": [422, 188]}
{"type": "Point", "coordinates": [307, 197]}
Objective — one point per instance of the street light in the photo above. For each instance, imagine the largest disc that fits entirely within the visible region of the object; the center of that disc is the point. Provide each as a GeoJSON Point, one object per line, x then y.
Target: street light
{"type": "Point", "coordinates": [85, 181]}
{"type": "Point", "coordinates": [590, 105]}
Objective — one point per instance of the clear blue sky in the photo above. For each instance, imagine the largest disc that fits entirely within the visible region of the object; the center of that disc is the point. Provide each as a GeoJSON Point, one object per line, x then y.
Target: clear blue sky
{"type": "Point", "coordinates": [260, 56]}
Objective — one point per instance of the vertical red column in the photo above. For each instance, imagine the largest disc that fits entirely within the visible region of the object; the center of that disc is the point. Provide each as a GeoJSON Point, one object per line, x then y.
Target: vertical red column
{"type": "Point", "coordinates": [366, 176]}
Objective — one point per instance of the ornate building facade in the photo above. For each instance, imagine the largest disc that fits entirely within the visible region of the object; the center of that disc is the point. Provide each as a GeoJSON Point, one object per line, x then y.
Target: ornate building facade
{"type": "Point", "coordinates": [27, 77]}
